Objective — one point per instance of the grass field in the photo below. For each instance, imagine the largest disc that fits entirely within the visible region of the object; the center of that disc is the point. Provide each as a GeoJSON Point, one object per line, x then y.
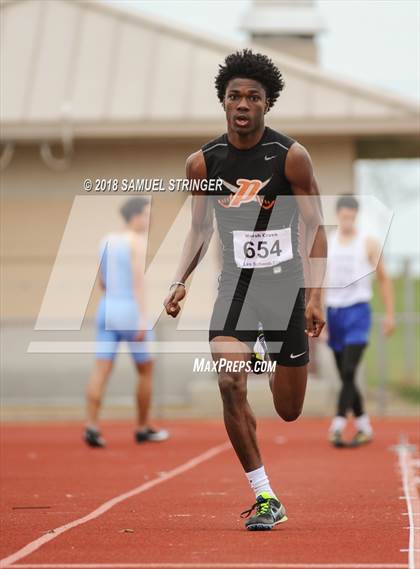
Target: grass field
{"type": "Point", "coordinates": [394, 352]}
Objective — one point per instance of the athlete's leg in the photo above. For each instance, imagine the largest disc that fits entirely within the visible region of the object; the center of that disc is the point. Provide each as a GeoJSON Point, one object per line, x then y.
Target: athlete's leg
{"type": "Point", "coordinates": [144, 392]}
{"type": "Point", "coordinates": [95, 389]}
{"type": "Point", "coordinates": [239, 419]}
{"type": "Point", "coordinates": [232, 335]}
{"type": "Point", "coordinates": [145, 364]}
{"type": "Point", "coordinates": [350, 396]}
{"type": "Point", "coordinates": [338, 356]}
{"type": "Point", "coordinates": [106, 348]}
{"type": "Point", "coordinates": [288, 385]}
{"type": "Point", "coordinates": [358, 405]}
{"type": "Point", "coordinates": [336, 338]}
{"type": "Point", "coordinates": [290, 350]}
{"type": "Point", "coordinates": [357, 402]}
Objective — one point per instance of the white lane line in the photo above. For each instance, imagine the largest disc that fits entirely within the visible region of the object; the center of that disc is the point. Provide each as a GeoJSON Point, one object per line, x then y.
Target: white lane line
{"type": "Point", "coordinates": [412, 501]}
{"type": "Point", "coordinates": [213, 566]}
{"type": "Point", "coordinates": [405, 497]}
{"type": "Point", "coordinates": [37, 543]}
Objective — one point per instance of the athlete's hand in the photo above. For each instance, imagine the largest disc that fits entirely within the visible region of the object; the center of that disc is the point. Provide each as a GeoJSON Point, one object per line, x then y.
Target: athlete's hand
{"type": "Point", "coordinates": [388, 325]}
{"type": "Point", "coordinates": [171, 302]}
{"type": "Point", "coordinates": [315, 320]}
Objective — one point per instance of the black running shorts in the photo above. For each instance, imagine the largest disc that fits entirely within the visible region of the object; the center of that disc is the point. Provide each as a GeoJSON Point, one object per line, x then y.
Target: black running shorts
{"type": "Point", "coordinates": [276, 303]}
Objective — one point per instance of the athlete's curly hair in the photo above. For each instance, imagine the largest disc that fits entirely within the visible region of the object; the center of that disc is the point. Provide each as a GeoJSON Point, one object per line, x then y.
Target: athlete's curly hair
{"type": "Point", "coordinates": [250, 65]}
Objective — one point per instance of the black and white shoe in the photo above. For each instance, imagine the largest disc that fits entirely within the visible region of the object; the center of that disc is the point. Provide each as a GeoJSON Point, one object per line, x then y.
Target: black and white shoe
{"type": "Point", "coordinates": [93, 438]}
{"type": "Point", "coordinates": [151, 435]}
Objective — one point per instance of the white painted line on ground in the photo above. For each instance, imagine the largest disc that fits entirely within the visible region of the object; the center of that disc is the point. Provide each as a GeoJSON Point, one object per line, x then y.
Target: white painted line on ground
{"type": "Point", "coordinates": [412, 501]}
{"type": "Point", "coordinates": [37, 543]}
{"type": "Point", "coordinates": [212, 566]}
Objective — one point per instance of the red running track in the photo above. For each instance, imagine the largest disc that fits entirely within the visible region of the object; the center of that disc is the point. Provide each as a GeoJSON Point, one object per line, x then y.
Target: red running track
{"type": "Point", "coordinates": [346, 507]}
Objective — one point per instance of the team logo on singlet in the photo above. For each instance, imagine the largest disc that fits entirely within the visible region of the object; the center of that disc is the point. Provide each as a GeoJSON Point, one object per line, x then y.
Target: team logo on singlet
{"type": "Point", "coordinates": [244, 192]}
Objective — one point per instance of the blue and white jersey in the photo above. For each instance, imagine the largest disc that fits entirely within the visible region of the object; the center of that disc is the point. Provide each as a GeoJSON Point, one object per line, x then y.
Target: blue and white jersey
{"type": "Point", "coordinates": [349, 272]}
{"type": "Point", "coordinates": [119, 305]}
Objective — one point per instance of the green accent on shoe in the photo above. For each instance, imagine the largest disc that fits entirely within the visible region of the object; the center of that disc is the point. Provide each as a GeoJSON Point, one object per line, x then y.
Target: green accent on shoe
{"type": "Point", "coordinates": [269, 512]}
{"type": "Point", "coordinates": [361, 438]}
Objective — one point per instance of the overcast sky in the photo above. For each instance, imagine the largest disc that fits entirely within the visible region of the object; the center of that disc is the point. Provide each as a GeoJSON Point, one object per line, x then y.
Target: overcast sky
{"type": "Point", "coordinates": [374, 41]}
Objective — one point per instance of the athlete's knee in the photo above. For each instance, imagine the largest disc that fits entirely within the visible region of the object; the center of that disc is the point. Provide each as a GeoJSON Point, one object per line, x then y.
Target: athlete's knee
{"type": "Point", "coordinates": [232, 386]}
{"type": "Point", "coordinates": [291, 416]}
{"type": "Point", "coordinates": [348, 374]}
{"type": "Point", "coordinates": [94, 396]}
{"type": "Point", "coordinates": [289, 413]}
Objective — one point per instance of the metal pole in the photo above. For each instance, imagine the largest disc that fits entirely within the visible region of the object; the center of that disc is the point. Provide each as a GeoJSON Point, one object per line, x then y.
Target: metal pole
{"type": "Point", "coordinates": [409, 325]}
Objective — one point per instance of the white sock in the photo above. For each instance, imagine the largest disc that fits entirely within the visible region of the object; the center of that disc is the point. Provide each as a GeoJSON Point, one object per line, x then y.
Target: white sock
{"type": "Point", "coordinates": [259, 482]}
{"type": "Point", "coordinates": [363, 424]}
{"type": "Point", "coordinates": [338, 424]}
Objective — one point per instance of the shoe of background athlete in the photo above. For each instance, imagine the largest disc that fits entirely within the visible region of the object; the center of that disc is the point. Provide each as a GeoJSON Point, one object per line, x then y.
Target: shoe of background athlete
{"type": "Point", "coordinates": [269, 512]}
{"type": "Point", "coordinates": [151, 435]}
{"type": "Point", "coordinates": [361, 438]}
{"type": "Point", "coordinates": [336, 439]}
{"type": "Point", "coordinates": [93, 438]}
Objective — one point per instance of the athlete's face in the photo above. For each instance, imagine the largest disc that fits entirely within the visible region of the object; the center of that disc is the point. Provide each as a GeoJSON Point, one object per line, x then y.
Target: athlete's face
{"type": "Point", "coordinates": [245, 104]}
{"type": "Point", "coordinates": [346, 219]}
{"type": "Point", "coordinates": [140, 222]}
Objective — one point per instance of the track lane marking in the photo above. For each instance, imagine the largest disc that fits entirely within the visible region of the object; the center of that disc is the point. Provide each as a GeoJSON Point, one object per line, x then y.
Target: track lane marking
{"type": "Point", "coordinates": [408, 481]}
{"type": "Point", "coordinates": [211, 566]}
{"type": "Point", "coordinates": [37, 543]}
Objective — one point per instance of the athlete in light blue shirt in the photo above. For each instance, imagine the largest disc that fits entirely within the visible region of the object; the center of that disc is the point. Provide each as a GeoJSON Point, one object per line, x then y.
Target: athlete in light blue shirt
{"type": "Point", "coordinates": [121, 316]}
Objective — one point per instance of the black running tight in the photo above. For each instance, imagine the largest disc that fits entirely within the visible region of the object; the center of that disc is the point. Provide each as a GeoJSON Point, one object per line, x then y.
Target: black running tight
{"type": "Point", "coordinates": [350, 398]}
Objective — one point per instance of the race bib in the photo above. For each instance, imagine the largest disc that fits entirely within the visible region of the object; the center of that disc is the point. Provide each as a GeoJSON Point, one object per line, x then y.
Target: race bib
{"type": "Point", "coordinates": [260, 249]}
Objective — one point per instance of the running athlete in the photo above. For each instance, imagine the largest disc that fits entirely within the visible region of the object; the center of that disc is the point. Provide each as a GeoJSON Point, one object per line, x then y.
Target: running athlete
{"type": "Point", "coordinates": [352, 257]}
{"type": "Point", "coordinates": [268, 183]}
{"type": "Point", "coordinates": [121, 315]}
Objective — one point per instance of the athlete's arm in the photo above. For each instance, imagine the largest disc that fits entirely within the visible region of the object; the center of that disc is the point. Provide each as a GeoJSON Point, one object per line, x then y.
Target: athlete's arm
{"type": "Point", "coordinates": [299, 172]}
{"type": "Point", "coordinates": [102, 252]}
{"type": "Point", "coordinates": [137, 270]}
{"type": "Point", "coordinates": [385, 284]}
{"type": "Point", "coordinates": [199, 235]}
